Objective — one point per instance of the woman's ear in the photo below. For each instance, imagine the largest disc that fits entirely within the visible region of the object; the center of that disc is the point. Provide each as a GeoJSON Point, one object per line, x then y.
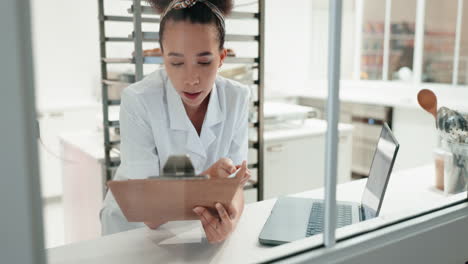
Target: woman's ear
{"type": "Point", "coordinates": [223, 55]}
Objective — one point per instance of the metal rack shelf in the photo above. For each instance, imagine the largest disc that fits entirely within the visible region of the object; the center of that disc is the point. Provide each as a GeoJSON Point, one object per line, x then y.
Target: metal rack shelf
{"type": "Point", "coordinates": [112, 124]}
{"type": "Point", "coordinates": [111, 82]}
{"type": "Point", "coordinates": [147, 10]}
{"type": "Point", "coordinates": [116, 123]}
{"type": "Point", "coordinates": [117, 102]}
{"type": "Point", "coordinates": [251, 184]}
{"type": "Point", "coordinates": [154, 37]}
{"type": "Point", "coordinates": [159, 60]}
{"type": "Point", "coordinates": [113, 102]}
{"type": "Point", "coordinates": [129, 19]}
{"type": "Point", "coordinates": [114, 143]}
{"type": "Point", "coordinates": [134, 15]}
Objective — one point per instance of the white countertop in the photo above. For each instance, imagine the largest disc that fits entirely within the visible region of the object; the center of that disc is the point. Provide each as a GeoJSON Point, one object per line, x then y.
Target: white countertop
{"type": "Point", "coordinates": [393, 94]}
{"type": "Point", "coordinates": [91, 142]}
{"type": "Point", "coordinates": [311, 127]}
{"type": "Point", "coordinates": [408, 193]}
{"type": "Point", "coordinates": [43, 109]}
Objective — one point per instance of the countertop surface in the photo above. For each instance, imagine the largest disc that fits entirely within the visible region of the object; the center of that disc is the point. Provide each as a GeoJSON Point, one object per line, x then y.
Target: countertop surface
{"type": "Point", "coordinates": [409, 192]}
{"type": "Point", "coordinates": [310, 127]}
{"type": "Point", "coordinates": [380, 93]}
{"type": "Point", "coordinates": [91, 142]}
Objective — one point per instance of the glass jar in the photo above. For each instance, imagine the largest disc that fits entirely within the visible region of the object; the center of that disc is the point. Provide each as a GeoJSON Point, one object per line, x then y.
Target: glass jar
{"type": "Point", "coordinates": [455, 166]}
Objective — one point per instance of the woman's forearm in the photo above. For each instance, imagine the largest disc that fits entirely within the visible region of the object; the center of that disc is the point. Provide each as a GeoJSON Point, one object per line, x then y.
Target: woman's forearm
{"type": "Point", "coordinates": [239, 200]}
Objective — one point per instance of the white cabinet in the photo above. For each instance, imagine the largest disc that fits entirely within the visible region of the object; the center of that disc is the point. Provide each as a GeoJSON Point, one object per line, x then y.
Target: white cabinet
{"type": "Point", "coordinates": [52, 123]}
{"type": "Point", "coordinates": [83, 183]}
{"type": "Point", "coordinates": [295, 158]}
{"type": "Point", "coordinates": [83, 177]}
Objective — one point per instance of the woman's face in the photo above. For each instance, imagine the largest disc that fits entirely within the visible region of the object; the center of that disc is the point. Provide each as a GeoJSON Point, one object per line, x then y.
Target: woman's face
{"type": "Point", "coordinates": [192, 58]}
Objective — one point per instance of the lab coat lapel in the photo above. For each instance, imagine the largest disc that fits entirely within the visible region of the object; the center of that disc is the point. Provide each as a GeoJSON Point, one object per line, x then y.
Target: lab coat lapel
{"type": "Point", "coordinates": [179, 120]}
{"type": "Point", "coordinates": [214, 116]}
{"type": "Point", "coordinates": [177, 115]}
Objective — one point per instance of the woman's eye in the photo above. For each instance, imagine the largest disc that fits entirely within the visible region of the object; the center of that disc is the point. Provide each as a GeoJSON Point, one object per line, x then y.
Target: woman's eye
{"type": "Point", "coordinates": [177, 64]}
{"type": "Point", "coordinates": [204, 63]}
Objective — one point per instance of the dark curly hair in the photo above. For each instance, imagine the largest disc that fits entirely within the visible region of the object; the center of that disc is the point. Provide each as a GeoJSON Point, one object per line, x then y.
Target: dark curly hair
{"type": "Point", "coordinates": [199, 13]}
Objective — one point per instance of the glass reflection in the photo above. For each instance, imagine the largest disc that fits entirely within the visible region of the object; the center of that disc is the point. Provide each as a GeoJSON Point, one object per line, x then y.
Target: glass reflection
{"type": "Point", "coordinates": [463, 59]}
{"type": "Point", "coordinates": [403, 15]}
{"type": "Point", "coordinates": [372, 40]}
{"type": "Point", "coordinates": [439, 41]}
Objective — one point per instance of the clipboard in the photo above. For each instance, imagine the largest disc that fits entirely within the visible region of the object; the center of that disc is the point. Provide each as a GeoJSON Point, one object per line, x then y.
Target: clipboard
{"type": "Point", "coordinates": [154, 199]}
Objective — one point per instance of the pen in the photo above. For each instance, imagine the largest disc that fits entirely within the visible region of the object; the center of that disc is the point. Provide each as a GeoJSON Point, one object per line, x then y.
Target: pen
{"type": "Point", "coordinates": [234, 174]}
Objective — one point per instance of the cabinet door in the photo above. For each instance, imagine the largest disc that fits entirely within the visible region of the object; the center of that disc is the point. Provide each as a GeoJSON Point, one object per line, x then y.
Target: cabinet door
{"type": "Point", "coordinates": [294, 165]}
{"type": "Point", "coordinates": [82, 194]}
{"type": "Point", "coordinates": [50, 156]}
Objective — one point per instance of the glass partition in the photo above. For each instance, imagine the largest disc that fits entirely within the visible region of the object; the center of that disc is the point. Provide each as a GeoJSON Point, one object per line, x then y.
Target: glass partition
{"type": "Point", "coordinates": [373, 29]}
{"type": "Point", "coordinates": [439, 41]}
{"type": "Point", "coordinates": [463, 59]}
{"type": "Point", "coordinates": [220, 154]}
{"type": "Point", "coordinates": [401, 55]}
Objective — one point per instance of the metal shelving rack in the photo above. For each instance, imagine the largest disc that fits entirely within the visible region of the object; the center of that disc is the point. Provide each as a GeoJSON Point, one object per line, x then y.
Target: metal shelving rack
{"type": "Point", "coordinates": [136, 15]}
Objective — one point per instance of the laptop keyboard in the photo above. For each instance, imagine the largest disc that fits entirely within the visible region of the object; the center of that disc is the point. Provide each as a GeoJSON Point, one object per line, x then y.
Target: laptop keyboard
{"type": "Point", "coordinates": [315, 226]}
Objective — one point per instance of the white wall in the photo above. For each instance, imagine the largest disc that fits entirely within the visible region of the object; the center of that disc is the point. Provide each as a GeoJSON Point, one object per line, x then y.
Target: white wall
{"type": "Point", "coordinates": [66, 51]}
{"type": "Point", "coordinates": [66, 46]}
{"type": "Point", "coordinates": [319, 39]}
{"type": "Point", "coordinates": [297, 50]}
{"type": "Point", "coordinates": [288, 58]}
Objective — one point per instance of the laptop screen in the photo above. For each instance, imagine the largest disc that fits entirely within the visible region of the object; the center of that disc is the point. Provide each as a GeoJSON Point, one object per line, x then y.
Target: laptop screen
{"type": "Point", "coordinates": [379, 173]}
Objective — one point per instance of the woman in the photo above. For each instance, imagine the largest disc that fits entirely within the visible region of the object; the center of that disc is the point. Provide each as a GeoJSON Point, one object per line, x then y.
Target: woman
{"type": "Point", "coordinates": [185, 108]}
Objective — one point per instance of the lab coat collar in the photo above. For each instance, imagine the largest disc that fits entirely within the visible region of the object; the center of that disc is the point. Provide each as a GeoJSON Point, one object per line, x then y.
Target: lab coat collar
{"type": "Point", "coordinates": [179, 119]}
{"type": "Point", "coordinates": [178, 116]}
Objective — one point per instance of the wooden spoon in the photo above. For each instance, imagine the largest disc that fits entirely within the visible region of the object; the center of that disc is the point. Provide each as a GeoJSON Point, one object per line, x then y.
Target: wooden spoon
{"type": "Point", "coordinates": [428, 101]}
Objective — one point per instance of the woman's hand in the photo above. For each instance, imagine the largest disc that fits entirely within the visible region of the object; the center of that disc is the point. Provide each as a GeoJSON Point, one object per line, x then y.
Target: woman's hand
{"type": "Point", "coordinates": [156, 224]}
{"type": "Point", "coordinates": [243, 174]}
{"type": "Point", "coordinates": [221, 169]}
{"type": "Point", "coordinates": [225, 167]}
{"type": "Point", "coordinates": [219, 227]}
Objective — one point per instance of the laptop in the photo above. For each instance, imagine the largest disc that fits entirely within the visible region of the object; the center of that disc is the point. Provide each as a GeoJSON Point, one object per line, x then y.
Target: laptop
{"type": "Point", "coordinates": [294, 218]}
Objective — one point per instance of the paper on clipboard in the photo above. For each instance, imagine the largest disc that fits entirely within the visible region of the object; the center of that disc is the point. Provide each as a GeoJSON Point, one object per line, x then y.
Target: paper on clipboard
{"type": "Point", "coordinates": [151, 200]}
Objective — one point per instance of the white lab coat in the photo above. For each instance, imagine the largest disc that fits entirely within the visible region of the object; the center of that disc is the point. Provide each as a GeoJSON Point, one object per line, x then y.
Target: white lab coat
{"type": "Point", "coordinates": [154, 125]}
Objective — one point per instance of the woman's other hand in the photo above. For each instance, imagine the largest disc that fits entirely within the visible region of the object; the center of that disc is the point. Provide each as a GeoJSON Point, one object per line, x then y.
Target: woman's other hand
{"type": "Point", "coordinates": [155, 224]}
{"type": "Point", "coordinates": [219, 226]}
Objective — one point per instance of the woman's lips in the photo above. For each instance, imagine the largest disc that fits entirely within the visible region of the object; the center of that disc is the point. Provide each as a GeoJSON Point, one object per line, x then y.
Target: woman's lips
{"type": "Point", "coordinates": [192, 96]}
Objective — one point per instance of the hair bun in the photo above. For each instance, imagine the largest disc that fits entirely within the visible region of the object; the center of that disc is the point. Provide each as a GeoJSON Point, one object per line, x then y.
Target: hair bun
{"type": "Point", "coordinates": [225, 6]}
{"type": "Point", "coordinates": [159, 5]}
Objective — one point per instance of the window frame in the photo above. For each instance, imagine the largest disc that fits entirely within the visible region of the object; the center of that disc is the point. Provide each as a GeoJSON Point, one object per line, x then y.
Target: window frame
{"type": "Point", "coordinates": [21, 229]}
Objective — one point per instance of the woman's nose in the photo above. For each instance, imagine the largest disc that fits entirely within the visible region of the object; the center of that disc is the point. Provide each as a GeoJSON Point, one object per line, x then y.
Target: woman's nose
{"type": "Point", "coordinates": [192, 78]}
{"type": "Point", "coordinates": [192, 81]}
